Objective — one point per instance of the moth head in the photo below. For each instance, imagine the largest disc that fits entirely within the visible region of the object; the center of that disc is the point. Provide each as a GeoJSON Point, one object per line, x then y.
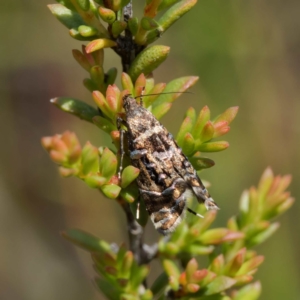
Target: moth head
{"type": "Point", "coordinates": [128, 102]}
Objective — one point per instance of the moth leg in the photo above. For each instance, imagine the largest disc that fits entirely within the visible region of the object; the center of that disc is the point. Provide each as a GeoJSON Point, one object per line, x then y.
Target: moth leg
{"type": "Point", "coordinates": [141, 96]}
{"type": "Point", "coordinates": [194, 213]}
{"type": "Point", "coordinates": [150, 193]}
{"type": "Point", "coordinates": [120, 121]}
{"type": "Point", "coordinates": [137, 154]}
{"type": "Point", "coordinates": [138, 208]}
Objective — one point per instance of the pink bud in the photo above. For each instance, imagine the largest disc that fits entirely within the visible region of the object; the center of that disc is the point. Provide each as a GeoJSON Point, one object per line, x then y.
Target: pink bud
{"type": "Point", "coordinates": [47, 142]}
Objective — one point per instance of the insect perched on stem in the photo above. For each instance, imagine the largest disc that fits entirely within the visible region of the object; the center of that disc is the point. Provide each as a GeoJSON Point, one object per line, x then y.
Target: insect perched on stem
{"type": "Point", "coordinates": [167, 179]}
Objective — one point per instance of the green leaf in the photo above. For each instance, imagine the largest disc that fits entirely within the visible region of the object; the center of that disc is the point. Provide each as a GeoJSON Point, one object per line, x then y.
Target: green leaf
{"type": "Point", "coordinates": [235, 263]}
{"type": "Point", "coordinates": [195, 249]}
{"type": "Point", "coordinates": [199, 275]}
{"type": "Point", "coordinates": [87, 31]}
{"type": "Point", "coordinates": [89, 84]}
{"type": "Point", "coordinates": [66, 16]}
{"type": "Point", "coordinates": [137, 275]}
{"type": "Point", "coordinates": [249, 292]}
{"type": "Point", "coordinates": [265, 182]}
{"type": "Point", "coordinates": [228, 115]}
{"type": "Point", "coordinates": [205, 223]}
{"type": "Point", "coordinates": [121, 254]}
{"type": "Point", "coordinates": [113, 99]}
{"type": "Point", "coordinates": [86, 241]}
{"type": "Point", "coordinates": [156, 89]}
{"type": "Point", "coordinates": [148, 60]}
{"type": "Point", "coordinates": [67, 3]}
{"type": "Point", "coordinates": [108, 164]}
{"type": "Point", "coordinates": [76, 107]}
{"type": "Point", "coordinates": [150, 8]}
{"type": "Point", "coordinates": [153, 35]}
{"type": "Point", "coordinates": [102, 104]}
{"type": "Point", "coordinates": [200, 163]}
{"type": "Point", "coordinates": [191, 113]}
{"type": "Point", "coordinates": [96, 57]}
{"type": "Point", "coordinates": [99, 44]}
{"type": "Point", "coordinates": [118, 27]}
{"type": "Point", "coordinates": [171, 268]}
{"type": "Point", "coordinates": [126, 265]}
{"type": "Point", "coordinates": [160, 283]}
{"type": "Point", "coordinates": [97, 75]}
{"type": "Point", "coordinates": [207, 132]}
{"type": "Point", "coordinates": [90, 159]}
{"type": "Point", "coordinates": [217, 265]}
{"type": "Point", "coordinates": [127, 83]}
{"type": "Point", "coordinates": [216, 297]}
{"type": "Point", "coordinates": [111, 75]}
{"type": "Point", "coordinates": [95, 181]}
{"type": "Point", "coordinates": [283, 207]}
{"type": "Point", "coordinates": [129, 174]}
{"type": "Point", "coordinates": [104, 124]}
{"type": "Point", "coordinates": [208, 278]}
{"type": "Point", "coordinates": [255, 228]}
{"type": "Point", "coordinates": [250, 265]}
{"type": "Point", "coordinates": [212, 146]}
{"type": "Point", "coordinates": [147, 295]}
{"type": "Point", "coordinates": [124, 3]}
{"type": "Point", "coordinates": [175, 12]}
{"type": "Point", "coordinates": [148, 23]}
{"type": "Point", "coordinates": [163, 109]}
{"type": "Point", "coordinates": [84, 4]}
{"type": "Point", "coordinates": [130, 193]}
{"type": "Point", "coordinates": [218, 285]}
{"type": "Point", "coordinates": [219, 235]}
{"type": "Point", "coordinates": [171, 249]}
{"type": "Point", "coordinates": [185, 127]}
{"type": "Point", "coordinates": [81, 59]}
{"type": "Point", "coordinates": [178, 86]}
{"type": "Point", "coordinates": [166, 3]}
{"type": "Point", "coordinates": [139, 85]}
{"type": "Point", "coordinates": [107, 15]}
{"type": "Point", "coordinates": [128, 297]}
{"type": "Point", "coordinates": [75, 34]}
{"type": "Point", "coordinates": [191, 268]}
{"type": "Point", "coordinates": [133, 25]}
{"type": "Point", "coordinates": [111, 190]}
{"type": "Point", "coordinates": [261, 237]}
{"type": "Point", "coordinates": [188, 144]}
{"type": "Point", "coordinates": [108, 289]}
{"type": "Point", "coordinates": [192, 287]}
{"type": "Point", "coordinates": [179, 236]}
{"type": "Point", "coordinates": [202, 119]}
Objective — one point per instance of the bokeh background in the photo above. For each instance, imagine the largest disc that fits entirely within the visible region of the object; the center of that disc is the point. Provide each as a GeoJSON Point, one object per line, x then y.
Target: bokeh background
{"type": "Point", "coordinates": [246, 53]}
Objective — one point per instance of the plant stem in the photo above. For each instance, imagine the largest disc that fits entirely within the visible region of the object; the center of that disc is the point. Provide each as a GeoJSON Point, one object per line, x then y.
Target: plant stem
{"type": "Point", "coordinates": [143, 253]}
{"type": "Point", "coordinates": [127, 49]}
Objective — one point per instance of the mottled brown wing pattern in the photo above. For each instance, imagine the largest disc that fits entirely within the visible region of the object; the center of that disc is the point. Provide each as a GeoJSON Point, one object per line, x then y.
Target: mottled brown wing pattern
{"type": "Point", "coordinates": [167, 179]}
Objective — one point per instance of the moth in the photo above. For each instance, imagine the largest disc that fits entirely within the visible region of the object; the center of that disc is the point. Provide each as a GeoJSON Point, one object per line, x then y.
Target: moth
{"type": "Point", "coordinates": [167, 179]}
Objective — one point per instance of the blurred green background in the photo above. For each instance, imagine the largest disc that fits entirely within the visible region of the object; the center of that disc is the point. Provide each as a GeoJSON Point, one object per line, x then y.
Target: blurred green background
{"type": "Point", "coordinates": [246, 53]}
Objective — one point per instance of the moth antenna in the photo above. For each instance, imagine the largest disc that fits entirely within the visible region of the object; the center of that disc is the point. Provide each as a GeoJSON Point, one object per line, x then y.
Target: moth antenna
{"type": "Point", "coordinates": [194, 213]}
{"type": "Point", "coordinates": [156, 94]}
